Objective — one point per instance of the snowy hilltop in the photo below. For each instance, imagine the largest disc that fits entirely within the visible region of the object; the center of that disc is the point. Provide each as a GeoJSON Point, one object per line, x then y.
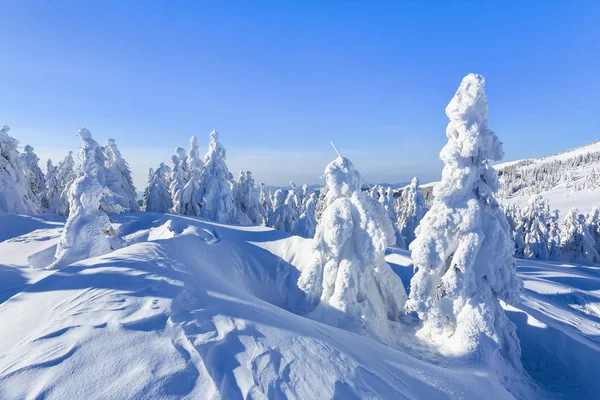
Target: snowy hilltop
{"type": "Point", "coordinates": [213, 287]}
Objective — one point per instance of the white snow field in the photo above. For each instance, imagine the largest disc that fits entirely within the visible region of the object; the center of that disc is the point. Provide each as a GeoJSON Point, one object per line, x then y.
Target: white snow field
{"type": "Point", "coordinates": [200, 310]}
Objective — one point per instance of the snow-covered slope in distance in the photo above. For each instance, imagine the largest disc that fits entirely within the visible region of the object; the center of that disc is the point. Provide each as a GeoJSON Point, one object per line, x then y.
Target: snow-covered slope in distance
{"type": "Point", "coordinates": [193, 309]}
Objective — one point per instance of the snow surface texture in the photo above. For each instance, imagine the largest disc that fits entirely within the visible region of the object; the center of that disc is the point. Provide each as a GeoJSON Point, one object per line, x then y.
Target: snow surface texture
{"type": "Point", "coordinates": [463, 251]}
{"type": "Point", "coordinates": [195, 309]}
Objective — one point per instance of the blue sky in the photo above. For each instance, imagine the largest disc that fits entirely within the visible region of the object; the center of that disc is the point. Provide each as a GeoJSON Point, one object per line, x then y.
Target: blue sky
{"type": "Point", "coordinates": [279, 80]}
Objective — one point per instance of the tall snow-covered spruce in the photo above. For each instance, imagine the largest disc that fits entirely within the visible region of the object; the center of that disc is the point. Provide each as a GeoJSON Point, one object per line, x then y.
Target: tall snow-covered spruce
{"type": "Point", "coordinates": [88, 232]}
{"type": "Point", "coordinates": [157, 197]}
{"type": "Point", "coordinates": [36, 178]}
{"type": "Point", "coordinates": [350, 284]}
{"type": "Point", "coordinates": [463, 252]}
{"type": "Point", "coordinates": [216, 187]}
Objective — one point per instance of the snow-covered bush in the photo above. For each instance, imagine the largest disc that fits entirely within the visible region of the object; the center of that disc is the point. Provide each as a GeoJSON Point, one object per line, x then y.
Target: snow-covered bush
{"type": "Point", "coordinates": [578, 244]}
{"type": "Point", "coordinates": [88, 232]}
{"type": "Point", "coordinates": [33, 172]}
{"type": "Point", "coordinates": [216, 187]}
{"type": "Point", "coordinates": [118, 177]}
{"type": "Point", "coordinates": [463, 252]}
{"type": "Point", "coordinates": [350, 284]}
{"type": "Point", "coordinates": [307, 223]}
{"type": "Point", "coordinates": [157, 197]}
{"type": "Point", "coordinates": [411, 210]}
{"type": "Point", "coordinates": [283, 217]}
{"type": "Point", "coordinates": [16, 195]}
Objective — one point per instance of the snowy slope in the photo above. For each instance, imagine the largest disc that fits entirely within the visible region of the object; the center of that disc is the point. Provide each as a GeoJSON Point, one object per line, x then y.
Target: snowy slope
{"type": "Point", "coordinates": [195, 309]}
{"type": "Point", "coordinates": [562, 196]}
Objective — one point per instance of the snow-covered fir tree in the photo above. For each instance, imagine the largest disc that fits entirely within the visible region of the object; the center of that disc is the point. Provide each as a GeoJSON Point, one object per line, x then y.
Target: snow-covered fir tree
{"type": "Point", "coordinates": [182, 156]}
{"type": "Point", "coordinates": [514, 215]}
{"type": "Point", "coordinates": [535, 222]}
{"type": "Point", "coordinates": [592, 179]}
{"type": "Point", "coordinates": [554, 232]}
{"type": "Point", "coordinates": [188, 200]}
{"type": "Point", "coordinates": [65, 176]}
{"type": "Point", "coordinates": [16, 195]}
{"type": "Point", "coordinates": [283, 217]}
{"type": "Point", "coordinates": [157, 197]}
{"type": "Point", "coordinates": [303, 198]}
{"type": "Point", "coordinates": [578, 244]}
{"type": "Point", "coordinates": [264, 204]}
{"type": "Point", "coordinates": [293, 199]}
{"type": "Point", "coordinates": [118, 177]}
{"type": "Point", "coordinates": [35, 176]}
{"type": "Point", "coordinates": [386, 199]}
{"type": "Point", "coordinates": [592, 220]}
{"type": "Point", "coordinates": [216, 187]}
{"type": "Point", "coordinates": [350, 284]}
{"type": "Point", "coordinates": [411, 209]}
{"type": "Point", "coordinates": [88, 232]}
{"type": "Point", "coordinates": [247, 199]}
{"type": "Point", "coordinates": [51, 195]}
{"type": "Point", "coordinates": [176, 180]}
{"type": "Point", "coordinates": [463, 252]}
{"type": "Point", "coordinates": [306, 225]}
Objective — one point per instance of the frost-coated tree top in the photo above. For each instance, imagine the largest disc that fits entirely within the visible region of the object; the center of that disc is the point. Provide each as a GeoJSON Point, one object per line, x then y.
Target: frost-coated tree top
{"type": "Point", "coordinates": [470, 142]}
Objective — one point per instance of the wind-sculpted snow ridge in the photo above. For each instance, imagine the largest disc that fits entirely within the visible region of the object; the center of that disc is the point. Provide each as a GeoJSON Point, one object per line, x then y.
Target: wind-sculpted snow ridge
{"type": "Point", "coordinates": [200, 310]}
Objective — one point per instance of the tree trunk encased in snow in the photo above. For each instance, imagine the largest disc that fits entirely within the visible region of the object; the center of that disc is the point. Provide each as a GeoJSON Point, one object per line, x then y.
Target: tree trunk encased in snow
{"type": "Point", "coordinates": [463, 252]}
{"type": "Point", "coordinates": [350, 283]}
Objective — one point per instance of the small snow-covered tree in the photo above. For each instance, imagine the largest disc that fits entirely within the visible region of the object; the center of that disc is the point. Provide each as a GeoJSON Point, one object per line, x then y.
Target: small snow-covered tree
{"type": "Point", "coordinates": [283, 217]}
{"type": "Point", "coordinates": [578, 243]}
{"type": "Point", "coordinates": [248, 202]}
{"type": "Point", "coordinates": [463, 252]}
{"type": "Point", "coordinates": [118, 177]}
{"type": "Point", "coordinates": [216, 187]}
{"type": "Point", "coordinates": [350, 284]}
{"type": "Point", "coordinates": [411, 210]}
{"type": "Point", "coordinates": [303, 197]}
{"type": "Point", "coordinates": [293, 199]}
{"type": "Point", "coordinates": [157, 197]}
{"type": "Point", "coordinates": [88, 232]}
{"type": "Point", "coordinates": [592, 179]}
{"type": "Point", "coordinates": [593, 222]}
{"type": "Point", "coordinates": [177, 181]}
{"type": "Point", "coordinates": [534, 221]}
{"type": "Point", "coordinates": [188, 200]}
{"type": "Point", "coordinates": [264, 204]}
{"type": "Point", "coordinates": [65, 175]}
{"type": "Point", "coordinates": [514, 217]}
{"type": "Point", "coordinates": [34, 174]}
{"type": "Point", "coordinates": [306, 225]}
{"type": "Point", "coordinates": [554, 245]}
{"type": "Point", "coordinates": [16, 195]}
{"type": "Point", "coordinates": [386, 199]}
{"type": "Point", "coordinates": [51, 195]}
{"type": "Point", "coordinates": [182, 156]}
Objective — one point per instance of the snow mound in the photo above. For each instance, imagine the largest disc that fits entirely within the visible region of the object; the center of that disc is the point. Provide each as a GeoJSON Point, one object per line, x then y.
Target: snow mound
{"type": "Point", "coordinates": [189, 316]}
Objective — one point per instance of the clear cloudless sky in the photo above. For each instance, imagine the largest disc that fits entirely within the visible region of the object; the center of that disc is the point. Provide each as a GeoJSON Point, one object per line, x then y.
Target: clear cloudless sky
{"type": "Point", "coordinates": [280, 79]}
